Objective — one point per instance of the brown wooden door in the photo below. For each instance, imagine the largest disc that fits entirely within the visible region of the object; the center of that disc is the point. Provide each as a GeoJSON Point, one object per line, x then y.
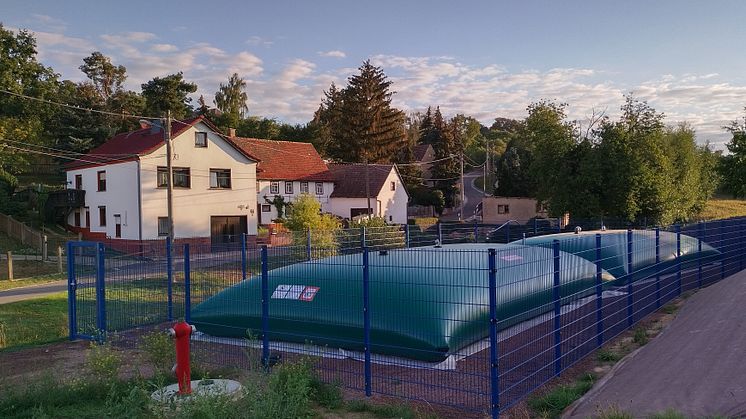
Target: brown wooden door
{"type": "Point", "coordinates": [227, 229]}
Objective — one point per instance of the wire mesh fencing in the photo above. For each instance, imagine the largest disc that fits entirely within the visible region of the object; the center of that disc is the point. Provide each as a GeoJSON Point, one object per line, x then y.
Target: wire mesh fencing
{"type": "Point", "coordinates": [468, 316]}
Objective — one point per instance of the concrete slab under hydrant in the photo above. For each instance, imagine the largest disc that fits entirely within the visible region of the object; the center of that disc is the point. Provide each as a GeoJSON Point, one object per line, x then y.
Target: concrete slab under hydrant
{"type": "Point", "coordinates": [200, 388]}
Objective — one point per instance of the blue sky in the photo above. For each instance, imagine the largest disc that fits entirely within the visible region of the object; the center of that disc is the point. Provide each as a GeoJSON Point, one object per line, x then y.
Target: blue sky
{"type": "Point", "coordinates": [484, 59]}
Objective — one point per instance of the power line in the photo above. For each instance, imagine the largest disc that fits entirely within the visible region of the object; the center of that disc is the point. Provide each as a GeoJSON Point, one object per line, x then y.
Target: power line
{"type": "Point", "coordinates": [80, 108]}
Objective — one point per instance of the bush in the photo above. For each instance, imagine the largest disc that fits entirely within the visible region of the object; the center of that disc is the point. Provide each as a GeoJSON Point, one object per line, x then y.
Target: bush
{"type": "Point", "coordinates": [103, 363]}
{"type": "Point", "coordinates": [289, 392]}
{"type": "Point", "coordinates": [159, 351]}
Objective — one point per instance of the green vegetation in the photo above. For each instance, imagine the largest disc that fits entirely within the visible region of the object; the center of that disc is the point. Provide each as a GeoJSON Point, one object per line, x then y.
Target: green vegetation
{"type": "Point", "coordinates": [290, 391]}
{"type": "Point", "coordinates": [668, 414]}
{"type": "Point", "coordinates": [490, 186]}
{"type": "Point", "coordinates": [19, 268]}
{"type": "Point", "coordinates": [605, 355]}
{"type": "Point", "coordinates": [640, 336]}
{"type": "Point", "coordinates": [34, 322]}
{"type": "Point", "coordinates": [551, 405]}
{"type": "Point", "coordinates": [614, 413]}
{"type": "Point", "coordinates": [717, 209]}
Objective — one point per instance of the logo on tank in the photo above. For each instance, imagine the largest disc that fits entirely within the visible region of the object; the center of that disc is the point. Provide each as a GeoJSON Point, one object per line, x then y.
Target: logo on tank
{"type": "Point", "coordinates": [295, 292]}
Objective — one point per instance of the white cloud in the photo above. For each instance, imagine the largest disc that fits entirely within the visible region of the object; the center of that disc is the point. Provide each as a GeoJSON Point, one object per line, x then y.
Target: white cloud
{"type": "Point", "coordinates": [48, 23]}
{"type": "Point", "coordinates": [293, 91]}
{"type": "Point", "coordinates": [259, 41]}
{"type": "Point", "coordinates": [332, 54]}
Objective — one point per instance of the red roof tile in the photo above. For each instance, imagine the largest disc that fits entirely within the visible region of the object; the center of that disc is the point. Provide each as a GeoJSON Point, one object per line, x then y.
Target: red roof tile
{"type": "Point", "coordinates": [285, 160]}
{"type": "Point", "coordinates": [129, 145]}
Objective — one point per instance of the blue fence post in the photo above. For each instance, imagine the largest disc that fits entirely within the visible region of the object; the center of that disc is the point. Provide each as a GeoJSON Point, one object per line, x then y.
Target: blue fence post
{"type": "Point", "coordinates": [187, 284]}
{"type": "Point", "coordinates": [265, 307]}
{"type": "Point", "coordinates": [557, 309]}
{"type": "Point", "coordinates": [308, 244]}
{"type": "Point", "coordinates": [722, 249]}
{"type": "Point", "coordinates": [740, 252]}
{"type": "Point", "coordinates": [440, 233]}
{"type": "Point", "coordinates": [366, 320]}
{"type": "Point", "coordinates": [657, 267]}
{"type": "Point", "coordinates": [362, 237]}
{"type": "Point", "coordinates": [630, 299]}
{"type": "Point", "coordinates": [243, 256]}
{"type": "Point", "coordinates": [494, 371]}
{"type": "Point", "coordinates": [476, 232]}
{"type": "Point", "coordinates": [406, 234]}
{"type": "Point", "coordinates": [678, 259]}
{"type": "Point", "coordinates": [72, 287]}
{"type": "Point", "coordinates": [599, 295]}
{"type": "Point", "coordinates": [101, 291]}
{"type": "Point", "coordinates": [701, 227]}
{"type": "Point", "coordinates": [170, 279]}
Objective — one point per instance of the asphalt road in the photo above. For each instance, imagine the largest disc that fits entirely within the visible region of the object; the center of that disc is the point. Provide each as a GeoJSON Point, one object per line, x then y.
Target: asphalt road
{"type": "Point", "coordinates": [472, 197]}
{"type": "Point", "coordinates": [696, 366]}
{"type": "Point", "coordinates": [33, 291]}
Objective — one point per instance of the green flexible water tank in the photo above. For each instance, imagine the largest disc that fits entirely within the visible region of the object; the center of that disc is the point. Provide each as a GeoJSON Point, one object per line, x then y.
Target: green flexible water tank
{"type": "Point", "coordinates": [425, 303]}
{"type": "Point", "coordinates": [614, 251]}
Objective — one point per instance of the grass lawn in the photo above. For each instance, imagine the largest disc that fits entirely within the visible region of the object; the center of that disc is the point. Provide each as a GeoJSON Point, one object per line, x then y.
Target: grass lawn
{"type": "Point", "coordinates": [37, 280]}
{"type": "Point", "coordinates": [716, 209]}
{"type": "Point", "coordinates": [33, 322]}
{"type": "Point", "coordinates": [30, 269]}
{"type": "Point", "coordinates": [7, 243]}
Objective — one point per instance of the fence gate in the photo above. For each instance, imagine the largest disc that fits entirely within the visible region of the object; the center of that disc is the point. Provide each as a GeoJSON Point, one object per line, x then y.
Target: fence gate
{"type": "Point", "coordinates": [85, 290]}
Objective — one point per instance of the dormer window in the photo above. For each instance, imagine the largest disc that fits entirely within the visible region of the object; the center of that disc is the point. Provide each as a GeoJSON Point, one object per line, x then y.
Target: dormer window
{"type": "Point", "coordinates": [200, 139]}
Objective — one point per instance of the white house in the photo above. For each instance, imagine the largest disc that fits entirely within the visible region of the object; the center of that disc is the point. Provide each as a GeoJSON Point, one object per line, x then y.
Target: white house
{"type": "Point", "coordinates": [388, 196]}
{"type": "Point", "coordinates": [125, 178]}
{"type": "Point", "coordinates": [287, 169]}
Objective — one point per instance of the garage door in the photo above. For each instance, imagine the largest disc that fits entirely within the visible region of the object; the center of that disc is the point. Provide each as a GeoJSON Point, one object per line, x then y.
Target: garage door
{"type": "Point", "coordinates": [226, 230]}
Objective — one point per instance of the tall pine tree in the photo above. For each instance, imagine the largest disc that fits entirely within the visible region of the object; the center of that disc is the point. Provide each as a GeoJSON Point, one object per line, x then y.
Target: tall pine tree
{"type": "Point", "coordinates": [358, 122]}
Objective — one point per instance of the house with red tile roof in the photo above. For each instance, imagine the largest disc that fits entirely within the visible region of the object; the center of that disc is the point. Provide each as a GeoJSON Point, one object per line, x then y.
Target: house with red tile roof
{"type": "Point", "coordinates": [388, 197]}
{"type": "Point", "coordinates": [287, 169]}
{"type": "Point", "coordinates": [125, 179]}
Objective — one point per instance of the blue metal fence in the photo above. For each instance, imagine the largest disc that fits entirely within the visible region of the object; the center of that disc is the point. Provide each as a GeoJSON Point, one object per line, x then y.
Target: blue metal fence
{"type": "Point", "coordinates": [503, 359]}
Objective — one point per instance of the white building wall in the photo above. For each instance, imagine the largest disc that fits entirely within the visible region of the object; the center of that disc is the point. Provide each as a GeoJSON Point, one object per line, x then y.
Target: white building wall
{"type": "Point", "coordinates": [265, 191]}
{"type": "Point", "coordinates": [393, 203]}
{"type": "Point", "coordinates": [342, 206]}
{"type": "Point", "coordinates": [120, 197]}
{"type": "Point", "coordinates": [194, 206]}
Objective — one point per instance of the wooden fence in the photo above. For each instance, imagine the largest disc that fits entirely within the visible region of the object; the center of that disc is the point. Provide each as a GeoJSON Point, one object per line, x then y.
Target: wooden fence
{"type": "Point", "coordinates": [23, 233]}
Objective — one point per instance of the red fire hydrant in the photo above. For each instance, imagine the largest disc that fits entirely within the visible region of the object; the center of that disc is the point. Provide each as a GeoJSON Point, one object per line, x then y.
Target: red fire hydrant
{"type": "Point", "coordinates": [182, 331]}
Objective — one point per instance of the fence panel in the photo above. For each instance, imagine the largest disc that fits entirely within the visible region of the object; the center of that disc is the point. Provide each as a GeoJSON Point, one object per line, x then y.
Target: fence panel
{"type": "Point", "coordinates": [447, 314]}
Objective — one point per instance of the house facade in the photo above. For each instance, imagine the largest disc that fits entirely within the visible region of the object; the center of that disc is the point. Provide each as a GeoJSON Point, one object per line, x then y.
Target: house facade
{"type": "Point", "coordinates": [214, 193]}
{"type": "Point", "coordinates": [388, 197]}
{"type": "Point", "coordinates": [286, 170]}
{"type": "Point", "coordinates": [499, 209]}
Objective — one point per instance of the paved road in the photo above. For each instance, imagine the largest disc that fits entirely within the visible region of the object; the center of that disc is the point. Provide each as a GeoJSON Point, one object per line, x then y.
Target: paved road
{"type": "Point", "coordinates": [33, 291]}
{"type": "Point", "coordinates": [695, 366]}
{"type": "Point", "coordinates": [472, 197]}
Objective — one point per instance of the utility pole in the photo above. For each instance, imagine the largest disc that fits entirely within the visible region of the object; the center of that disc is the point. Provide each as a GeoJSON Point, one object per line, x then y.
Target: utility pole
{"type": "Point", "coordinates": [484, 175]}
{"type": "Point", "coordinates": [170, 170]}
{"type": "Point", "coordinates": [367, 186]}
{"type": "Point", "coordinates": [461, 212]}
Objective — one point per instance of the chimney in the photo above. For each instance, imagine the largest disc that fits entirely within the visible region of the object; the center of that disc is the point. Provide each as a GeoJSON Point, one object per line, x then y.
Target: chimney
{"type": "Point", "coordinates": [231, 132]}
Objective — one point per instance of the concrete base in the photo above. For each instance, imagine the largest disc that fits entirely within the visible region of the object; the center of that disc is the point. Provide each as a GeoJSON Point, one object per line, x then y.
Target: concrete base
{"type": "Point", "coordinates": [210, 387]}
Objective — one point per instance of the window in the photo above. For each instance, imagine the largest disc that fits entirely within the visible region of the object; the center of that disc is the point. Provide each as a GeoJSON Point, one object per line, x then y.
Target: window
{"type": "Point", "coordinates": [503, 209]}
{"type": "Point", "coordinates": [220, 178]}
{"type": "Point", "coordinates": [102, 216]}
{"type": "Point", "coordinates": [182, 177]}
{"type": "Point", "coordinates": [288, 187]}
{"type": "Point", "coordinates": [117, 225]}
{"type": "Point", "coordinates": [87, 217]}
{"type": "Point", "coordinates": [78, 181]}
{"type": "Point", "coordinates": [393, 186]}
{"type": "Point", "coordinates": [102, 180]}
{"type": "Point", "coordinates": [77, 218]}
{"type": "Point", "coordinates": [304, 187]}
{"type": "Point", "coordinates": [274, 187]}
{"type": "Point", "coordinates": [200, 139]}
{"type": "Point", "coordinates": [319, 188]}
{"type": "Point", "coordinates": [163, 226]}
{"type": "Point", "coordinates": [266, 208]}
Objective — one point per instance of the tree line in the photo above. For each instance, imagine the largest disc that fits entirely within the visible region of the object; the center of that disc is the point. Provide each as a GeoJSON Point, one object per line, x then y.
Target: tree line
{"type": "Point", "coordinates": [632, 167]}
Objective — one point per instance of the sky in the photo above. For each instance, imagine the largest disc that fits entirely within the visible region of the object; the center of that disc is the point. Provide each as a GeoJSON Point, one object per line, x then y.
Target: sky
{"type": "Point", "coordinates": [481, 58]}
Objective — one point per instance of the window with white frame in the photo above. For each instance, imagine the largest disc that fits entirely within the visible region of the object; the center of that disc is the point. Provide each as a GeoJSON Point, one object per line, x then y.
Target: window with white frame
{"type": "Point", "coordinates": [220, 178]}
{"type": "Point", "coordinates": [304, 187]}
{"type": "Point", "coordinates": [182, 177]}
{"type": "Point", "coordinates": [274, 187]}
{"type": "Point", "coordinates": [200, 139]}
{"type": "Point", "coordinates": [319, 188]}
{"type": "Point", "coordinates": [163, 226]}
{"type": "Point", "coordinates": [266, 208]}
{"type": "Point", "coordinates": [288, 188]}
